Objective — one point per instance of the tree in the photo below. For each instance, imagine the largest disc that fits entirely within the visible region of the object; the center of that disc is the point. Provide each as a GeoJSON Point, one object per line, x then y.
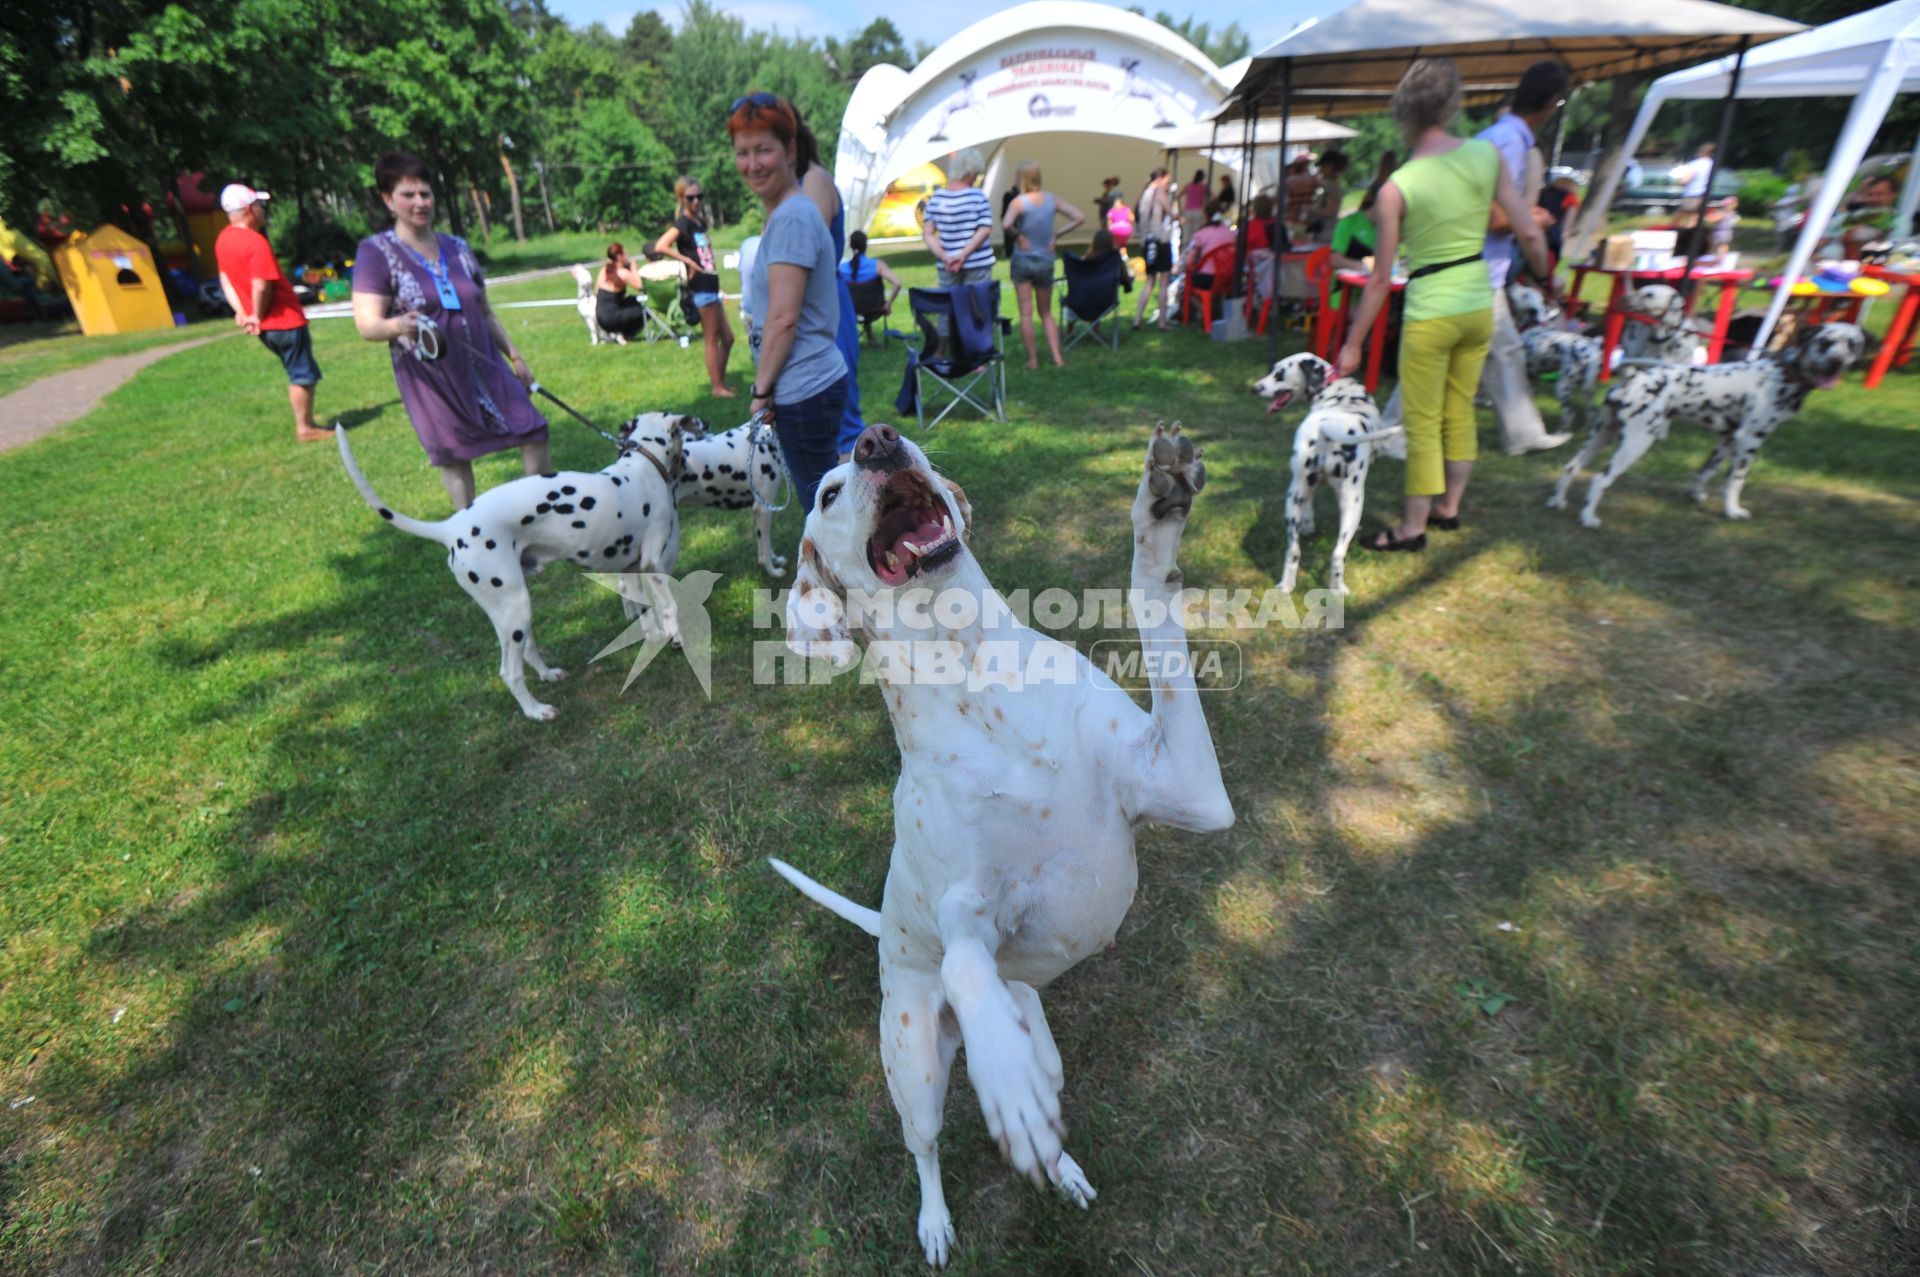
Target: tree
{"type": "Point", "coordinates": [1229, 44]}
{"type": "Point", "coordinates": [626, 175]}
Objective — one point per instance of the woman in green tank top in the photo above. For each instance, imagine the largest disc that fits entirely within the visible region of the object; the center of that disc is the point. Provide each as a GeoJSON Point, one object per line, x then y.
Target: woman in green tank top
{"type": "Point", "coordinates": [1436, 207]}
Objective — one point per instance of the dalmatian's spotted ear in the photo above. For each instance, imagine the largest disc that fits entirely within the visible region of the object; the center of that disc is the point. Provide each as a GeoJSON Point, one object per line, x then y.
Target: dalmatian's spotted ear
{"type": "Point", "coordinates": [1318, 372]}
{"type": "Point", "coordinates": [961, 504]}
{"type": "Point", "coordinates": [817, 611]}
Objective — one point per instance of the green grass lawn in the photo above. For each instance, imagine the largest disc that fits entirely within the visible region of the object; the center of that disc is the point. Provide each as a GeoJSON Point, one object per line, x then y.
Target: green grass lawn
{"type": "Point", "coordinates": [319, 957]}
{"type": "Point", "coordinates": [29, 352]}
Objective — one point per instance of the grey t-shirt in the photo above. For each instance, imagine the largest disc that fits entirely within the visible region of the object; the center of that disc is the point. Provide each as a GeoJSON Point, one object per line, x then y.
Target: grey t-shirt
{"type": "Point", "coordinates": [795, 236]}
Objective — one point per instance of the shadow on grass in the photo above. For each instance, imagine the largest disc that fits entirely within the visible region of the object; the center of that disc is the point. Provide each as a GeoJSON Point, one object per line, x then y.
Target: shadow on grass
{"type": "Point", "coordinates": [480, 994]}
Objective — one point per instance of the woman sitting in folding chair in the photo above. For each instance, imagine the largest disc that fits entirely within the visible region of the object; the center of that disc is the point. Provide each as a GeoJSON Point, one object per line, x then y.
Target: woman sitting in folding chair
{"type": "Point", "coordinates": [1031, 216]}
{"type": "Point", "coordinates": [1092, 295]}
{"type": "Point", "coordinates": [870, 282]}
{"type": "Point", "coordinates": [617, 313]}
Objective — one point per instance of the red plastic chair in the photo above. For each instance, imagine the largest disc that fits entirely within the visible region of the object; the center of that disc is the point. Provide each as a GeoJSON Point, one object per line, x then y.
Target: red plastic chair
{"type": "Point", "coordinates": [1328, 324]}
{"type": "Point", "coordinates": [1218, 264]}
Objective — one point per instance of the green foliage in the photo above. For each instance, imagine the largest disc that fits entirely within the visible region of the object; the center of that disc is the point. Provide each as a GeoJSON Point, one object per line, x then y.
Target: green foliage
{"type": "Point", "coordinates": [625, 173]}
{"type": "Point", "coordinates": [1760, 190]}
{"type": "Point", "coordinates": [1229, 44]}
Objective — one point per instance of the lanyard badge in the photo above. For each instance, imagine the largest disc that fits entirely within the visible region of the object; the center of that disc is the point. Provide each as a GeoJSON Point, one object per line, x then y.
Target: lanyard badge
{"type": "Point", "coordinates": [442, 279]}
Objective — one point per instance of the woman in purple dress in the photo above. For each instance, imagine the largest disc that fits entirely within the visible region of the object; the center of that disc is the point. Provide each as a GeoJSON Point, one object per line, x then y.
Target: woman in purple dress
{"type": "Point", "coordinates": [467, 402]}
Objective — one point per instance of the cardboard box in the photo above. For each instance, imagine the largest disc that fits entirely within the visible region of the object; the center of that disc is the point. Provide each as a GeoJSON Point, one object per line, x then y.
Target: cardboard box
{"type": "Point", "coordinates": [1231, 326]}
{"type": "Point", "coordinates": [1616, 252]}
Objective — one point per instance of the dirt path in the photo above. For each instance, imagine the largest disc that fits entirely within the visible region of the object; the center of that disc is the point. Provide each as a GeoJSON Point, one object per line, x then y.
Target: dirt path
{"type": "Point", "coordinates": [44, 406]}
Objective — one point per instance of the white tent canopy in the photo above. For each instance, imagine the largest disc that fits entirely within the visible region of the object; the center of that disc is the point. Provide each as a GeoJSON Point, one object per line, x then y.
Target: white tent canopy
{"type": "Point", "coordinates": [1108, 87]}
{"type": "Point", "coordinates": [1300, 128]}
{"type": "Point", "coordinates": [1870, 57]}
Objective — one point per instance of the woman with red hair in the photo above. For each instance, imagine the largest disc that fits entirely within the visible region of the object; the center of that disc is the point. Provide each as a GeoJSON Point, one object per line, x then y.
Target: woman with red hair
{"type": "Point", "coordinates": [793, 295]}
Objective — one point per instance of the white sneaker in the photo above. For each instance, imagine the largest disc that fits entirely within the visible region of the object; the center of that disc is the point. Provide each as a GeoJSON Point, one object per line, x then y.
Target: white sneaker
{"type": "Point", "coordinates": [1545, 443]}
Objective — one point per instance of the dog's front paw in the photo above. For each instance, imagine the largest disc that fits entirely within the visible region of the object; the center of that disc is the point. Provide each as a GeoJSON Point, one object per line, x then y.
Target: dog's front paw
{"type": "Point", "coordinates": [1071, 1180]}
{"type": "Point", "coordinates": [552, 674]}
{"type": "Point", "coordinates": [1558, 501]}
{"type": "Point", "coordinates": [540, 713]}
{"type": "Point", "coordinates": [936, 1235]}
{"type": "Point", "coordinates": [777, 566]}
{"type": "Point", "coordinates": [1174, 474]}
{"type": "Point", "coordinates": [1020, 1106]}
{"type": "Point", "coordinates": [1739, 512]}
{"type": "Point", "coordinates": [1588, 519]}
{"type": "Point", "coordinates": [1698, 496]}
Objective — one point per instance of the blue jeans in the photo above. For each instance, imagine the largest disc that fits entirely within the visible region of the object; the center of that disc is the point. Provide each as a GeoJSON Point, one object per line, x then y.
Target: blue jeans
{"type": "Point", "coordinates": [847, 338]}
{"type": "Point", "coordinates": [809, 430]}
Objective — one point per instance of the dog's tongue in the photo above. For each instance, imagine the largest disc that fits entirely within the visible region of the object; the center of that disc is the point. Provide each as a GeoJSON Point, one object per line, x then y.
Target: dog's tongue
{"type": "Point", "coordinates": [924, 535]}
{"type": "Point", "coordinates": [1279, 402]}
{"type": "Point", "coordinates": [1827, 382]}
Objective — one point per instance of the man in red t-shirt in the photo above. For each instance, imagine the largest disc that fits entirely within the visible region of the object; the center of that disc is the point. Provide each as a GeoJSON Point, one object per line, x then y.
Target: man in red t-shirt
{"type": "Point", "coordinates": [263, 300]}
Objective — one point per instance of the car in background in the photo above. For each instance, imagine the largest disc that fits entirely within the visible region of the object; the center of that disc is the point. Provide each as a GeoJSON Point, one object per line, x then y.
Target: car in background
{"type": "Point", "coordinates": [1647, 186]}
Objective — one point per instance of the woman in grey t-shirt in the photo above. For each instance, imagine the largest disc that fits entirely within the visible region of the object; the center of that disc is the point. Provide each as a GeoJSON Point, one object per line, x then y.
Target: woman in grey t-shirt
{"type": "Point", "coordinates": [793, 296]}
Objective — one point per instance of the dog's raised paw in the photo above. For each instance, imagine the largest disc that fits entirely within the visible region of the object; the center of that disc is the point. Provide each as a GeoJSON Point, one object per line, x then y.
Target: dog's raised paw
{"type": "Point", "coordinates": [1174, 472]}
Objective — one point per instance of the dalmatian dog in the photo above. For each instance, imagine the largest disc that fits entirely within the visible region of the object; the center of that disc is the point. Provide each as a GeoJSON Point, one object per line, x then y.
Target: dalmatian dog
{"type": "Point", "coordinates": [1334, 445]}
{"type": "Point", "coordinates": [622, 518]}
{"type": "Point", "coordinates": [1663, 334]}
{"type": "Point", "coordinates": [586, 303]}
{"type": "Point", "coordinates": [1572, 358]}
{"type": "Point", "coordinates": [1742, 403]}
{"type": "Point", "coordinates": [733, 470]}
{"type": "Point", "coordinates": [1021, 784]}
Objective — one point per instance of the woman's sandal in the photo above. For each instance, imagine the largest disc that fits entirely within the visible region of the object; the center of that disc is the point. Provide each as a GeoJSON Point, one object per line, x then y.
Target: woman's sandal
{"type": "Point", "coordinates": [1384, 542]}
{"type": "Point", "coordinates": [1445, 523]}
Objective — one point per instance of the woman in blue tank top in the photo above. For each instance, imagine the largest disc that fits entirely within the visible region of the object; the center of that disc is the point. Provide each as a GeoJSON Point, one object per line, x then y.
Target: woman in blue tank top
{"type": "Point", "coordinates": [1030, 219]}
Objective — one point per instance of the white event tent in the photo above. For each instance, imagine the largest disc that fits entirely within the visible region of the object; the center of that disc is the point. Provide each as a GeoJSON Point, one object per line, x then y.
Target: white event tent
{"type": "Point", "coordinates": [1085, 90]}
{"type": "Point", "coordinates": [1869, 57]}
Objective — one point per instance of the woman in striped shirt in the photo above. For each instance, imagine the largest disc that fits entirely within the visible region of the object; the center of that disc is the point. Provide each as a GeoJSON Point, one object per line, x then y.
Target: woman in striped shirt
{"type": "Point", "coordinates": [959, 226]}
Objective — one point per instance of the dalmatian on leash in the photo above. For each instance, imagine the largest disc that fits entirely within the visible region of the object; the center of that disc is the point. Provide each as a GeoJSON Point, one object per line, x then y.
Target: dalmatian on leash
{"type": "Point", "coordinates": [1334, 445]}
{"type": "Point", "coordinates": [622, 518]}
{"type": "Point", "coordinates": [738, 468]}
{"type": "Point", "coordinates": [587, 304]}
{"type": "Point", "coordinates": [1014, 815]}
{"type": "Point", "coordinates": [1742, 403]}
{"type": "Point", "coordinates": [1573, 359]}
{"type": "Point", "coordinates": [1658, 328]}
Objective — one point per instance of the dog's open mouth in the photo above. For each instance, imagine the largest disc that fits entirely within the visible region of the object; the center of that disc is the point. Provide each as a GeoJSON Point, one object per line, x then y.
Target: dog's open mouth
{"type": "Point", "coordinates": [1280, 401]}
{"type": "Point", "coordinates": [913, 532]}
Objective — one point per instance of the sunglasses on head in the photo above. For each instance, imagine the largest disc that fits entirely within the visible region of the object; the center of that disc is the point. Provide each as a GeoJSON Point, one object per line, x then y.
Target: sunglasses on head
{"type": "Point", "coordinates": [754, 99]}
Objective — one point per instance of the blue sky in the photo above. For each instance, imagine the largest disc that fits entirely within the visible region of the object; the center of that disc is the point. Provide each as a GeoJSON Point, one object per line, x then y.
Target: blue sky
{"type": "Point", "coordinates": [932, 23]}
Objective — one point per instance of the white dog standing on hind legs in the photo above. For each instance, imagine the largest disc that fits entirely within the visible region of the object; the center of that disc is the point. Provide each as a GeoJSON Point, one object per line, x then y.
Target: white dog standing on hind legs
{"type": "Point", "coordinates": [1741, 402]}
{"type": "Point", "coordinates": [1020, 787]}
{"type": "Point", "coordinates": [1334, 445]}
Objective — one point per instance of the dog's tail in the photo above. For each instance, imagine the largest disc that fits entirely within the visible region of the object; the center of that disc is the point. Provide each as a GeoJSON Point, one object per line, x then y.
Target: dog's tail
{"type": "Point", "coordinates": [868, 920]}
{"type": "Point", "coordinates": [431, 531]}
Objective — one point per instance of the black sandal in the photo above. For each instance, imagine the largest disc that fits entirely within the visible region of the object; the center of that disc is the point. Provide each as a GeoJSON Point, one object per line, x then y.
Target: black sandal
{"type": "Point", "coordinates": [1384, 542]}
{"type": "Point", "coordinates": [1445, 523]}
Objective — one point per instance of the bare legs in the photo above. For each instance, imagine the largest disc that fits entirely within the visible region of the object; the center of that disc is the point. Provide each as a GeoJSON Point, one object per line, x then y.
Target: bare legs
{"type": "Point", "coordinates": [1157, 285]}
{"type": "Point", "coordinates": [1026, 293]}
{"type": "Point", "coordinates": [457, 479]}
{"type": "Point", "coordinates": [1447, 505]}
{"type": "Point", "coordinates": [301, 397]}
{"type": "Point", "coordinates": [719, 338]}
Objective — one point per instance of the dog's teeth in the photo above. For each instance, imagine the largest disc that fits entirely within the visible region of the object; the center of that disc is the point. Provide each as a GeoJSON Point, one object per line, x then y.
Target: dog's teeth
{"type": "Point", "coordinates": [912, 549]}
{"type": "Point", "coordinates": [893, 561]}
{"type": "Point", "coordinates": [946, 521]}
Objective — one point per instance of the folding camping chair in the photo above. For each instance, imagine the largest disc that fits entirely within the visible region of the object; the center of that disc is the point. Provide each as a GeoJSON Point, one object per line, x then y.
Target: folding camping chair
{"type": "Point", "coordinates": [870, 305]}
{"type": "Point", "coordinates": [663, 294]}
{"type": "Point", "coordinates": [971, 362]}
{"type": "Point", "coordinates": [1091, 296]}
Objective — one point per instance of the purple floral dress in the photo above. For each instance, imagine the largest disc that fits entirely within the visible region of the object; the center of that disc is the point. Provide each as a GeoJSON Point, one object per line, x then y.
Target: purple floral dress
{"type": "Point", "coordinates": [467, 403]}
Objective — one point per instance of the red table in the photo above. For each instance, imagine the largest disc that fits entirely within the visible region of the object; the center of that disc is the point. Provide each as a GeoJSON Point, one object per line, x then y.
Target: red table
{"type": "Point", "coordinates": [1351, 284]}
{"type": "Point", "coordinates": [1899, 344]}
{"type": "Point", "coordinates": [1729, 282]}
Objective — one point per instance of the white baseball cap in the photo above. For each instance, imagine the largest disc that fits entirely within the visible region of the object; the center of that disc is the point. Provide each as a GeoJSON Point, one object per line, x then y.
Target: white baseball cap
{"type": "Point", "coordinates": [236, 196]}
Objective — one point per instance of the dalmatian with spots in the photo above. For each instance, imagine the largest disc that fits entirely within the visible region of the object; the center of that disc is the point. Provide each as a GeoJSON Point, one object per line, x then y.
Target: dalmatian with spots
{"type": "Point", "coordinates": [1658, 328]}
{"type": "Point", "coordinates": [1572, 358]}
{"type": "Point", "coordinates": [623, 518]}
{"type": "Point", "coordinates": [1021, 785]}
{"type": "Point", "coordinates": [731, 471]}
{"type": "Point", "coordinates": [1742, 403]}
{"type": "Point", "coordinates": [1334, 445]}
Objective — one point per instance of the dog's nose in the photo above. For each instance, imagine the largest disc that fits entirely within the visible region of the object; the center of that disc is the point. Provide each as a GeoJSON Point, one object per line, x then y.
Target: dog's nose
{"type": "Point", "coordinates": [878, 448]}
